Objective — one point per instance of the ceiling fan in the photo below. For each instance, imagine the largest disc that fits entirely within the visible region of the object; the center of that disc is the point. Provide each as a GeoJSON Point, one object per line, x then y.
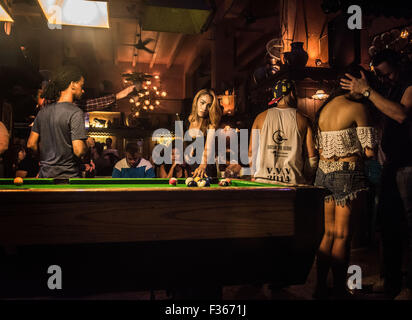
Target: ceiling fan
{"type": "Point", "coordinates": [141, 44]}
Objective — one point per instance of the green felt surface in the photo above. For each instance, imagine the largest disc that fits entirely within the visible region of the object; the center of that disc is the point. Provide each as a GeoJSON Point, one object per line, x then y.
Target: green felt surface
{"type": "Point", "coordinates": [113, 183]}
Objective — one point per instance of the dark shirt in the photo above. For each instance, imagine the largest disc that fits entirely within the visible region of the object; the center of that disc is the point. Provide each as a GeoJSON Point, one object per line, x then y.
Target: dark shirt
{"type": "Point", "coordinates": [58, 124]}
{"type": "Point", "coordinates": [30, 165]}
{"type": "Point", "coordinates": [397, 137]}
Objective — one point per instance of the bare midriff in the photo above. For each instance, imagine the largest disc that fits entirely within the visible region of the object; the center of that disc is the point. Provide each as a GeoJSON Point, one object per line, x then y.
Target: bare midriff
{"type": "Point", "coordinates": [350, 158]}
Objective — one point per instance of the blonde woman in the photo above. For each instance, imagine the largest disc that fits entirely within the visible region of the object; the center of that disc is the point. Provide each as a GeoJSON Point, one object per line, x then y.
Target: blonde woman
{"type": "Point", "coordinates": [204, 119]}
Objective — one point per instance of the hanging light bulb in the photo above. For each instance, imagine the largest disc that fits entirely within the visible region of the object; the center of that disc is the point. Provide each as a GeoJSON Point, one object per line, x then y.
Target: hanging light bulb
{"type": "Point", "coordinates": [144, 107]}
{"type": "Point", "coordinates": [157, 92]}
{"type": "Point", "coordinates": [155, 88]}
{"type": "Point", "coordinates": [147, 93]}
{"type": "Point", "coordinates": [148, 82]}
{"type": "Point", "coordinates": [125, 81]}
{"type": "Point", "coordinates": [141, 95]}
{"type": "Point", "coordinates": [137, 103]}
{"type": "Point", "coordinates": [151, 107]}
{"type": "Point", "coordinates": [145, 87]}
{"type": "Point", "coordinates": [147, 102]}
{"type": "Point", "coordinates": [157, 102]}
{"type": "Point", "coordinates": [164, 94]}
{"type": "Point", "coordinates": [136, 114]}
{"type": "Point", "coordinates": [156, 77]}
{"type": "Point", "coordinates": [131, 100]}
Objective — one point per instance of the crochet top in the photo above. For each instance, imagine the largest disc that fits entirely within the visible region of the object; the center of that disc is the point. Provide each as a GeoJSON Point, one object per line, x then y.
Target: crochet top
{"type": "Point", "coordinates": [346, 142]}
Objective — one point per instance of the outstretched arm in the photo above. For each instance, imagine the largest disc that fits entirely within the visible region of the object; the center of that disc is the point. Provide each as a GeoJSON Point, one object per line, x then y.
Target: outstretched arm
{"type": "Point", "coordinates": [399, 112]}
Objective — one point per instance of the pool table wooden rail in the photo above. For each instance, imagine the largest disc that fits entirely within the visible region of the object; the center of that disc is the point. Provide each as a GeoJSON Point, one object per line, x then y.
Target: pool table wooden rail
{"type": "Point", "coordinates": [59, 216]}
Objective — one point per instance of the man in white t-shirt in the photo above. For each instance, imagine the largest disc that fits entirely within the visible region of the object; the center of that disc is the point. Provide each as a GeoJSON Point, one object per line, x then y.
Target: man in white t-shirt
{"type": "Point", "coordinates": [286, 152]}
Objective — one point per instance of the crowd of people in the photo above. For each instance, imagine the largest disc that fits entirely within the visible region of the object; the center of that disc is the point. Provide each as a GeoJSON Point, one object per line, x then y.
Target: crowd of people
{"type": "Point", "coordinates": [369, 112]}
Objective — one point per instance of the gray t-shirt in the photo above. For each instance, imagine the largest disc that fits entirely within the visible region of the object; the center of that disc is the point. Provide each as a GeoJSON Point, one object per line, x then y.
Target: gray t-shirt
{"type": "Point", "coordinates": [58, 124]}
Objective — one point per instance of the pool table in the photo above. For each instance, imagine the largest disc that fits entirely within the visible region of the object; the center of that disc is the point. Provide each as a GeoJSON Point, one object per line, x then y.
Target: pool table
{"type": "Point", "coordinates": [245, 233]}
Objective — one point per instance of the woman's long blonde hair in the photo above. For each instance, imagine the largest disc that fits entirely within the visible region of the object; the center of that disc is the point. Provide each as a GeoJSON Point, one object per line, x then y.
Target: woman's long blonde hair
{"type": "Point", "coordinates": [215, 111]}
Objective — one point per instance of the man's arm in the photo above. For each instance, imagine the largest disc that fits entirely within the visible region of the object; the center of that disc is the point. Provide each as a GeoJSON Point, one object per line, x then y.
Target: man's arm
{"type": "Point", "coordinates": [79, 148]}
{"type": "Point", "coordinates": [104, 102]}
{"type": "Point", "coordinates": [4, 138]}
{"type": "Point", "coordinates": [399, 112]}
{"type": "Point", "coordinates": [310, 155]}
{"type": "Point", "coordinates": [33, 142]}
{"type": "Point", "coordinates": [254, 140]}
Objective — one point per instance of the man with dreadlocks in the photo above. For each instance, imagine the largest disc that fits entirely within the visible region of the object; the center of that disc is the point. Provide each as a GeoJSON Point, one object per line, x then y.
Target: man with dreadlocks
{"type": "Point", "coordinates": [286, 151]}
{"type": "Point", "coordinates": [58, 132]}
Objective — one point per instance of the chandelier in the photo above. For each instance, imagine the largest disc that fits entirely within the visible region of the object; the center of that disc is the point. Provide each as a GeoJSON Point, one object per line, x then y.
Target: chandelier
{"type": "Point", "coordinates": [147, 98]}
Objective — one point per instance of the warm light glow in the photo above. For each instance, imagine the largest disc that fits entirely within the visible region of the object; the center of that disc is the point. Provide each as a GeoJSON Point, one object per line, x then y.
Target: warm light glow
{"type": "Point", "coordinates": [227, 128]}
{"type": "Point", "coordinates": [147, 102]}
{"type": "Point", "coordinates": [148, 82]}
{"type": "Point", "coordinates": [137, 103]}
{"type": "Point", "coordinates": [131, 100]}
{"type": "Point", "coordinates": [404, 34]}
{"type": "Point", "coordinates": [157, 102]}
{"type": "Point", "coordinates": [136, 114]}
{"type": "Point", "coordinates": [164, 94]}
{"type": "Point", "coordinates": [151, 107]}
{"type": "Point", "coordinates": [155, 88]}
{"type": "Point", "coordinates": [144, 107]}
{"type": "Point", "coordinates": [156, 77]}
{"type": "Point", "coordinates": [76, 12]}
{"type": "Point", "coordinates": [141, 95]}
{"type": "Point", "coordinates": [4, 16]}
{"type": "Point", "coordinates": [147, 93]}
{"type": "Point", "coordinates": [145, 87]}
{"type": "Point", "coordinates": [320, 95]}
{"type": "Point", "coordinates": [125, 81]}
{"type": "Point", "coordinates": [157, 92]}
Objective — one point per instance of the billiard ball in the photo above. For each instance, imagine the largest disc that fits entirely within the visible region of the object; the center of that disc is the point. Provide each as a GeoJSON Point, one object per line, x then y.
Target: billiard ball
{"type": "Point", "coordinates": [192, 183]}
{"type": "Point", "coordinates": [223, 183]}
{"type": "Point", "coordinates": [208, 181]}
{"type": "Point", "coordinates": [228, 181]}
{"type": "Point", "coordinates": [188, 180]}
{"type": "Point", "coordinates": [18, 181]}
{"type": "Point", "coordinates": [173, 181]}
{"type": "Point", "coordinates": [201, 183]}
{"type": "Point", "coordinates": [197, 179]}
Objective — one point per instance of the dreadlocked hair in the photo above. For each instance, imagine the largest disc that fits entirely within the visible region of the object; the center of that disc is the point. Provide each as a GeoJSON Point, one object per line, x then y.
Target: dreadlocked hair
{"type": "Point", "coordinates": [60, 80]}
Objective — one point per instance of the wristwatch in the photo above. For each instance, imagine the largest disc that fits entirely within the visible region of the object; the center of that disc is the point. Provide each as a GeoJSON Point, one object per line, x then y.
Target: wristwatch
{"type": "Point", "coordinates": [367, 93]}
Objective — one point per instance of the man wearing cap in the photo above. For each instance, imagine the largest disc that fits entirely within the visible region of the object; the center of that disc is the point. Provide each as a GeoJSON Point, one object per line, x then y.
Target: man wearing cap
{"type": "Point", "coordinates": [285, 149]}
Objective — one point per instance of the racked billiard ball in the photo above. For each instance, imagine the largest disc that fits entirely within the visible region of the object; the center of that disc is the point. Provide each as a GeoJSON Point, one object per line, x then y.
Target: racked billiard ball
{"type": "Point", "coordinates": [197, 179]}
{"type": "Point", "coordinates": [173, 181]}
{"type": "Point", "coordinates": [201, 183]}
{"type": "Point", "coordinates": [192, 183]}
{"type": "Point", "coordinates": [188, 180]}
{"type": "Point", "coordinates": [18, 181]}
{"type": "Point", "coordinates": [228, 181]}
{"type": "Point", "coordinates": [208, 181]}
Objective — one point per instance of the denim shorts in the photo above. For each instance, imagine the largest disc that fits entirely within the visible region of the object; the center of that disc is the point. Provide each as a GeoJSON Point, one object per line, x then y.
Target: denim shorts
{"type": "Point", "coordinates": [343, 180]}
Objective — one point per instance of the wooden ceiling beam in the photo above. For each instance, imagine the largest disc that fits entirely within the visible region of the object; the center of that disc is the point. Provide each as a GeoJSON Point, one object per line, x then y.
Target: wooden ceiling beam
{"type": "Point", "coordinates": [156, 49]}
{"type": "Point", "coordinates": [175, 50]}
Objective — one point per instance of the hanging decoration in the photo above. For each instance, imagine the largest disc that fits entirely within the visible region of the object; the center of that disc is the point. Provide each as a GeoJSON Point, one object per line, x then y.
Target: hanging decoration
{"type": "Point", "coordinates": [149, 94]}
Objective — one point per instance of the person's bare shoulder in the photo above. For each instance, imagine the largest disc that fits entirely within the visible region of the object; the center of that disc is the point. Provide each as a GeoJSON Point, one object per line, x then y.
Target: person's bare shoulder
{"type": "Point", "coordinates": [260, 119]}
